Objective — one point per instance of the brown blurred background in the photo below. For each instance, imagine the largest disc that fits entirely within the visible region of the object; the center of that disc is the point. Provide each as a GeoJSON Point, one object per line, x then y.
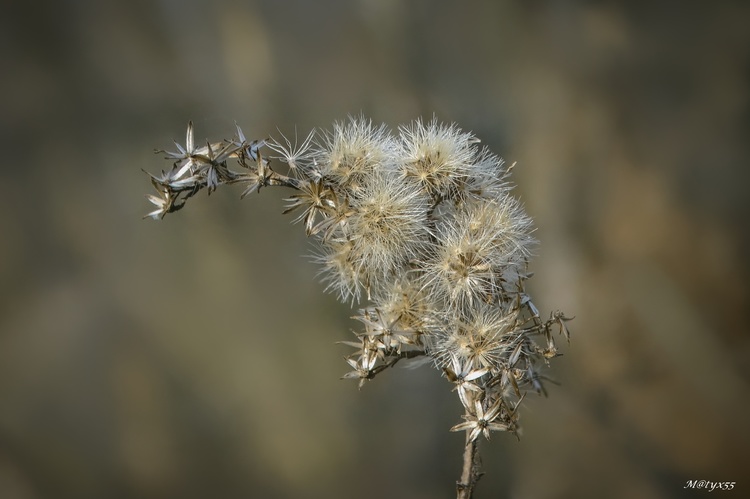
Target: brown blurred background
{"type": "Point", "coordinates": [195, 357]}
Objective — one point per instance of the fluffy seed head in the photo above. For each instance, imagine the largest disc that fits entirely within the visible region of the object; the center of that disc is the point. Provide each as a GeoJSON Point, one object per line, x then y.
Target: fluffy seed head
{"type": "Point", "coordinates": [460, 273]}
{"type": "Point", "coordinates": [404, 298]}
{"type": "Point", "coordinates": [387, 227]}
{"type": "Point", "coordinates": [352, 151]}
{"type": "Point", "coordinates": [488, 178]}
{"type": "Point", "coordinates": [500, 224]}
{"type": "Point", "coordinates": [437, 156]}
{"type": "Point", "coordinates": [477, 247]}
{"type": "Point", "coordinates": [340, 269]}
{"type": "Point", "coordinates": [481, 340]}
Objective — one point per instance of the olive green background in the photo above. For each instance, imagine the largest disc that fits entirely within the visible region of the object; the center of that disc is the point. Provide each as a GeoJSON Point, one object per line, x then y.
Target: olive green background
{"type": "Point", "coordinates": [195, 357]}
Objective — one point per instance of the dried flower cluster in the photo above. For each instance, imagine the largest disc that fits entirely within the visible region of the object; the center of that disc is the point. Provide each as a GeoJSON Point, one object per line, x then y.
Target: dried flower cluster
{"type": "Point", "coordinates": [419, 226]}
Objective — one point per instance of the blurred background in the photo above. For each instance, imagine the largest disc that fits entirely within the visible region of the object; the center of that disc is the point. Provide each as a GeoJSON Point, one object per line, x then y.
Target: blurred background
{"type": "Point", "coordinates": [195, 357]}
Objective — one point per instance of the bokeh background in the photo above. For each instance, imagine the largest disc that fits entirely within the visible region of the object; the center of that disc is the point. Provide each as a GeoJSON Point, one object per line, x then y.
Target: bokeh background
{"type": "Point", "coordinates": [195, 357]}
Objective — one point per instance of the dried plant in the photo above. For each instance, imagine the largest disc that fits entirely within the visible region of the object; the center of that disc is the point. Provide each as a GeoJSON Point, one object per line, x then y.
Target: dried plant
{"type": "Point", "coordinates": [422, 229]}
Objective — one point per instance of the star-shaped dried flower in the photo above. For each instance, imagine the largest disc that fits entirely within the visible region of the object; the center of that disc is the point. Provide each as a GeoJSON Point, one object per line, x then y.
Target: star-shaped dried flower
{"type": "Point", "coordinates": [315, 198]}
{"type": "Point", "coordinates": [481, 421]}
{"type": "Point", "coordinates": [163, 204]}
{"type": "Point", "coordinates": [184, 155]}
{"type": "Point", "coordinates": [463, 376]}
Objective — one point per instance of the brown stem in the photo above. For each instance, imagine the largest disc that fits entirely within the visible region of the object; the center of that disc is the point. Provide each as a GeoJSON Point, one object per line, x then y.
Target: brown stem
{"type": "Point", "coordinates": [470, 473]}
{"type": "Point", "coordinates": [276, 178]}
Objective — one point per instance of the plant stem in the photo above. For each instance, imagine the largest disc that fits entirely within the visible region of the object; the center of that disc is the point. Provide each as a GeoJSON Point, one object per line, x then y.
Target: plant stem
{"type": "Point", "coordinates": [470, 473]}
